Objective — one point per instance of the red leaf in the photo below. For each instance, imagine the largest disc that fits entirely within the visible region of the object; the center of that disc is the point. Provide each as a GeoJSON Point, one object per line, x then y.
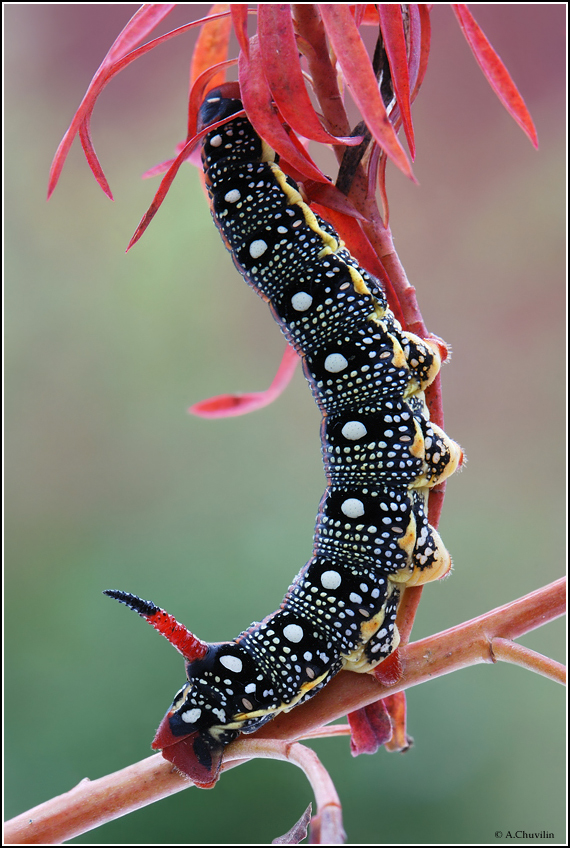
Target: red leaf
{"type": "Point", "coordinates": [359, 75]}
{"type": "Point", "coordinates": [366, 14]}
{"type": "Point", "coordinates": [195, 158]}
{"type": "Point", "coordinates": [212, 45]}
{"type": "Point", "coordinates": [392, 26]}
{"type": "Point", "coordinates": [257, 101]}
{"type": "Point", "coordinates": [91, 156]}
{"type": "Point", "coordinates": [142, 22]}
{"type": "Point", "coordinates": [499, 78]}
{"type": "Point", "coordinates": [329, 197]}
{"type": "Point", "coordinates": [239, 19]}
{"type": "Point", "coordinates": [370, 727]}
{"type": "Point", "coordinates": [283, 72]}
{"type": "Point", "coordinates": [198, 91]}
{"type": "Point", "coordinates": [224, 406]}
{"type": "Point", "coordinates": [105, 73]}
{"type": "Point", "coordinates": [424, 46]}
{"type": "Point", "coordinates": [168, 179]}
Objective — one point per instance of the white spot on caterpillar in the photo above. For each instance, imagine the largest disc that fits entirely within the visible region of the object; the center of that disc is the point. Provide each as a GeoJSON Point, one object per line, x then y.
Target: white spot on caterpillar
{"type": "Point", "coordinates": [301, 301]}
{"type": "Point", "coordinates": [293, 632]}
{"type": "Point", "coordinates": [352, 508]}
{"type": "Point", "coordinates": [330, 579]}
{"type": "Point", "coordinates": [216, 141]}
{"type": "Point", "coordinates": [232, 196]}
{"type": "Point", "coordinates": [356, 599]}
{"type": "Point", "coordinates": [231, 663]}
{"type": "Point", "coordinates": [191, 716]}
{"type": "Point", "coordinates": [257, 248]}
{"type": "Point", "coordinates": [335, 362]}
{"type": "Point", "coordinates": [250, 688]}
{"type": "Point", "coordinates": [354, 430]}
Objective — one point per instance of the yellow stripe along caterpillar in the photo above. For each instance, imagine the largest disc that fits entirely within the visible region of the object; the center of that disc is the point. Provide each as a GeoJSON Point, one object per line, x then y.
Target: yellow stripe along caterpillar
{"type": "Point", "coordinates": [381, 454]}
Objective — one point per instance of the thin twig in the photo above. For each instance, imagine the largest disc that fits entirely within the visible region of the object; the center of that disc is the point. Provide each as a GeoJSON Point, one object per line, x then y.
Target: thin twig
{"type": "Point", "coordinates": [507, 651]}
{"type": "Point", "coordinates": [327, 824]}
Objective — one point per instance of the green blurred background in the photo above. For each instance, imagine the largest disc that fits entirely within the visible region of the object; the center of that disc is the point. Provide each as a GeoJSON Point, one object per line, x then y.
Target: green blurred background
{"type": "Point", "coordinates": [110, 484]}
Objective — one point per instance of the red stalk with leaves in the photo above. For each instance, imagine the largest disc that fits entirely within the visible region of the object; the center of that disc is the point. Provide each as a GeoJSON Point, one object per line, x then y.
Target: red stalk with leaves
{"type": "Point", "coordinates": [329, 39]}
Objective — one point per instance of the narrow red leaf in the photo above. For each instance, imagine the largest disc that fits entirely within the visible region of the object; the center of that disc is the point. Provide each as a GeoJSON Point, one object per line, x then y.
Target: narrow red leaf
{"type": "Point", "coordinates": [162, 167]}
{"type": "Point", "coordinates": [329, 197]}
{"type": "Point", "coordinates": [91, 156]}
{"type": "Point", "coordinates": [365, 14]}
{"type": "Point", "coordinates": [392, 26]}
{"type": "Point", "coordinates": [497, 75]}
{"type": "Point", "coordinates": [257, 101]}
{"type": "Point", "coordinates": [194, 158]}
{"type": "Point", "coordinates": [142, 22]}
{"type": "Point", "coordinates": [425, 41]}
{"type": "Point", "coordinates": [103, 76]}
{"type": "Point", "coordinates": [282, 68]}
{"type": "Point", "coordinates": [239, 20]}
{"type": "Point", "coordinates": [224, 406]}
{"type": "Point", "coordinates": [359, 75]}
{"type": "Point", "coordinates": [168, 179]}
{"type": "Point", "coordinates": [203, 82]}
{"type": "Point", "coordinates": [212, 45]}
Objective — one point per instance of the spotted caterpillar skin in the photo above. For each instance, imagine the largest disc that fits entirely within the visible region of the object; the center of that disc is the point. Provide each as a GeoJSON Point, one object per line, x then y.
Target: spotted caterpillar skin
{"type": "Point", "coordinates": [381, 452]}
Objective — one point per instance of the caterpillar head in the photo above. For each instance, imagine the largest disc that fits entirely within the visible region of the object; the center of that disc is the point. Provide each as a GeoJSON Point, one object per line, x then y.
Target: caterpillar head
{"type": "Point", "coordinates": [211, 708]}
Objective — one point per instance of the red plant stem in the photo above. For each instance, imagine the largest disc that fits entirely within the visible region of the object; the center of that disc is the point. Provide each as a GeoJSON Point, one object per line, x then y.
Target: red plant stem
{"type": "Point", "coordinates": [507, 651]}
{"type": "Point", "coordinates": [328, 821]}
{"type": "Point", "coordinates": [481, 639]}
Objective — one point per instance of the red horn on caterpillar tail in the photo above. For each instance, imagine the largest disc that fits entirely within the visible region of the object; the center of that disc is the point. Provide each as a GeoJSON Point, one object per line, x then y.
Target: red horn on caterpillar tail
{"type": "Point", "coordinates": [177, 634]}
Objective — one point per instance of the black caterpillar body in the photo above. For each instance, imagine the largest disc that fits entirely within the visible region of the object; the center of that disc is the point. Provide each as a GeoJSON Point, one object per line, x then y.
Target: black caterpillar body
{"type": "Point", "coordinates": [381, 455]}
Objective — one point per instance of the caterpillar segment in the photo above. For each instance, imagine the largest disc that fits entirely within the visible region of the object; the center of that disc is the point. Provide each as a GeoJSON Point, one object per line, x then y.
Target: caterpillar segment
{"type": "Point", "coordinates": [381, 456]}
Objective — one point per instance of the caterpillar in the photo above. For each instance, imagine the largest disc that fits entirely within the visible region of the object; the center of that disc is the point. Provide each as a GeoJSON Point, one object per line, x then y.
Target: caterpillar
{"type": "Point", "coordinates": [381, 455]}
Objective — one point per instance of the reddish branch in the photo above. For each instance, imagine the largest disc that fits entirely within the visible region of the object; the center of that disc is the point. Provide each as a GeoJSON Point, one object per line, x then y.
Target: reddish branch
{"type": "Point", "coordinates": [487, 638]}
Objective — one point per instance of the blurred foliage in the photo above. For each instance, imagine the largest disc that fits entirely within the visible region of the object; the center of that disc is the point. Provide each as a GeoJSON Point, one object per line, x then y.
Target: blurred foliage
{"type": "Point", "coordinates": [109, 484]}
